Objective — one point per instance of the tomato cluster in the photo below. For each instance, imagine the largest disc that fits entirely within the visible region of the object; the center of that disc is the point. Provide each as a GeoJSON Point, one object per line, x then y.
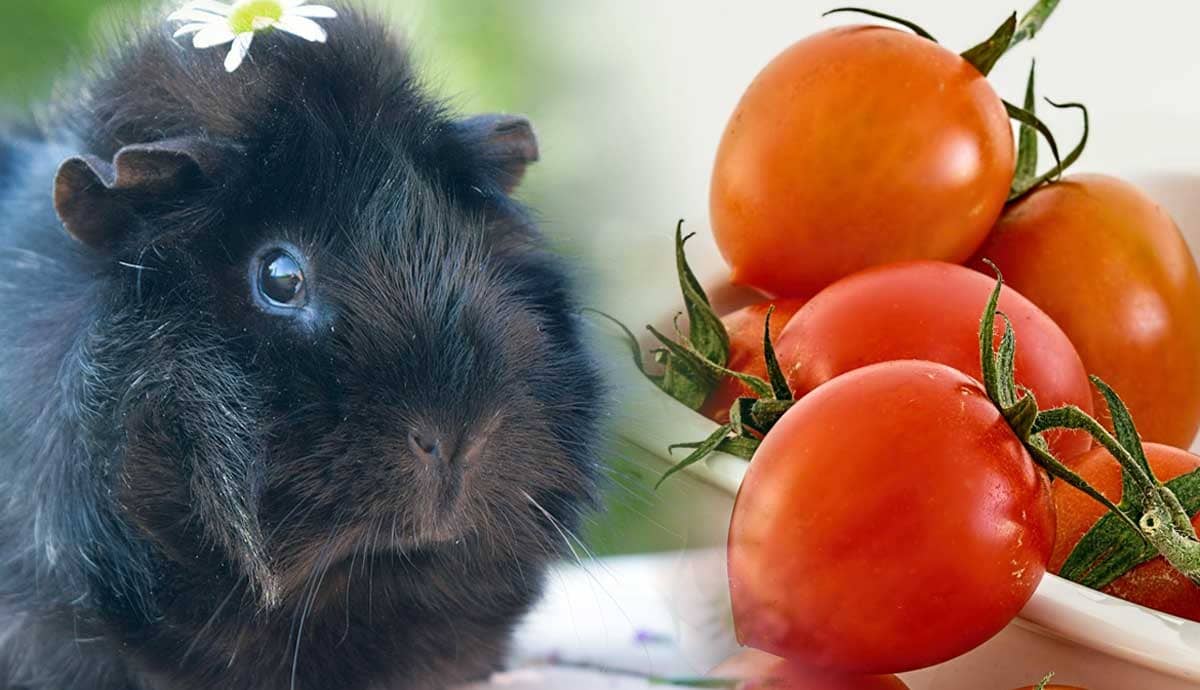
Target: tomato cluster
{"type": "Point", "coordinates": [899, 508]}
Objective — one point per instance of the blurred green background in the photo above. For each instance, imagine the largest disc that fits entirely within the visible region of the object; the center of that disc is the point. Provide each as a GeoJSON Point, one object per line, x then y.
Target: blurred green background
{"type": "Point", "coordinates": [478, 44]}
{"type": "Point", "coordinates": [478, 50]}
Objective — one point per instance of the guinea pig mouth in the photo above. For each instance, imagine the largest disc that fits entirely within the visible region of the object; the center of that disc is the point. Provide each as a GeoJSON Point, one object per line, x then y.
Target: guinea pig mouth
{"type": "Point", "coordinates": [372, 539]}
{"type": "Point", "coordinates": [444, 479]}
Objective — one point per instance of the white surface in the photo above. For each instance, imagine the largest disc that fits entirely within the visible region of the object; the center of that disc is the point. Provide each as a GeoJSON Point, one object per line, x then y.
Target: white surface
{"type": "Point", "coordinates": [593, 615]}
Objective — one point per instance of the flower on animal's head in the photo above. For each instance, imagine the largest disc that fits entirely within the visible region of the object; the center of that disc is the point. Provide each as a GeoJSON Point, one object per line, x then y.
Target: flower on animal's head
{"type": "Point", "coordinates": [217, 23]}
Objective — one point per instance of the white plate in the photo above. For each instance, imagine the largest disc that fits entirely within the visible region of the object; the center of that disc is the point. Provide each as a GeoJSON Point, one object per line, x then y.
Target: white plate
{"type": "Point", "coordinates": [1097, 629]}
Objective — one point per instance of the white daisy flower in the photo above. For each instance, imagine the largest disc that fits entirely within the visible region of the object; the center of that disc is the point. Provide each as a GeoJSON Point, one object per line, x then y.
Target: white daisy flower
{"type": "Point", "coordinates": [217, 23]}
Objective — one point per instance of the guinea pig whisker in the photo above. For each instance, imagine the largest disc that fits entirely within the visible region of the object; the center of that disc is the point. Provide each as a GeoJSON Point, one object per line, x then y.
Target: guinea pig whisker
{"type": "Point", "coordinates": [373, 528]}
{"type": "Point", "coordinates": [349, 582]}
{"type": "Point", "coordinates": [511, 543]}
{"type": "Point", "coordinates": [562, 530]}
{"type": "Point", "coordinates": [570, 535]}
{"type": "Point", "coordinates": [324, 561]}
{"type": "Point", "coordinates": [138, 267]}
{"type": "Point", "coordinates": [652, 522]}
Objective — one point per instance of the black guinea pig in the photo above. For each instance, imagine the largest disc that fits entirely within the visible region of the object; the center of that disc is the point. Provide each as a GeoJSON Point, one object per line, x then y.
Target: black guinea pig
{"type": "Point", "coordinates": [292, 393]}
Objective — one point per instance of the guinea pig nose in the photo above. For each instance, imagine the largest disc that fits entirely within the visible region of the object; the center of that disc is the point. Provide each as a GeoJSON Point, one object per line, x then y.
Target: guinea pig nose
{"type": "Point", "coordinates": [426, 446]}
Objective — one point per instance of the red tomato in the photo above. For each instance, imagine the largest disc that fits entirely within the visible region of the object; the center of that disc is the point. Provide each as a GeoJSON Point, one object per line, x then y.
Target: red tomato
{"type": "Point", "coordinates": [1155, 584]}
{"type": "Point", "coordinates": [1052, 687]}
{"type": "Point", "coordinates": [1110, 267]}
{"type": "Point", "coordinates": [745, 327]}
{"type": "Point", "coordinates": [858, 146]}
{"type": "Point", "coordinates": [891, 520]}
{"type": "Point", "coordinates": [763, 671]}
{"type": "Point", "coordinates": [930, 310]}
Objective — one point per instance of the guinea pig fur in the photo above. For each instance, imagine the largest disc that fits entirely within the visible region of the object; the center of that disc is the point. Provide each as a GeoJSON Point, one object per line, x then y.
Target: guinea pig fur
{"type": "Point", "coordinates": [292, 393]}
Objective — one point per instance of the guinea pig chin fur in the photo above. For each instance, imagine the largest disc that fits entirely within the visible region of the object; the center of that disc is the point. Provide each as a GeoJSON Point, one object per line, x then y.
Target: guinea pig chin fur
{"type": "Point", "coordinates": [204, 486]}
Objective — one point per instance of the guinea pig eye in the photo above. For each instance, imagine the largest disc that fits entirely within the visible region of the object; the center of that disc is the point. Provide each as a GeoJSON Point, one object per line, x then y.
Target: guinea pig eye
{"type": "Point", "coordinates": [280, 279]}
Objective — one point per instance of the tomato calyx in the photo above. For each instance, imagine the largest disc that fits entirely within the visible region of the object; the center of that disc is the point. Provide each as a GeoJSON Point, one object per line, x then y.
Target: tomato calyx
{"type": "Point", "coordinates": [1027, 118]}
{"type": "Point", "coordinates": [1156, 512]}
{"type": "Point", "coordinates": [1027, 143]}
{"type": "Point", "coordinates": [1045, 681]}
{"type": "Point", "coordinates": [1033, 20]}
{"type": "Point", "coordinates": [1025, 177]}
{"type": "Point", "coordinates": [1110, 548]}
{"type": "Point", "coordinates": [691, 365]}
{"type": "Point", "coordinates": [749, 418]}
{"type": "Point", "coordinates": [706, 335]}
{"type": "Point", "coordinates": [984, 57]}
{"type": "Point", "coordinates": [1150, 509]}
{"type": "Point", "coordinates": [1019, 405]}
{"type": "Point", "coordinates": [910, 25]}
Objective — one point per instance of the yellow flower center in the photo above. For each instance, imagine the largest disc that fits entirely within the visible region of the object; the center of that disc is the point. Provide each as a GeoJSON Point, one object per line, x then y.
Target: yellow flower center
{"type": "Point", "coordinates": [254, 15]}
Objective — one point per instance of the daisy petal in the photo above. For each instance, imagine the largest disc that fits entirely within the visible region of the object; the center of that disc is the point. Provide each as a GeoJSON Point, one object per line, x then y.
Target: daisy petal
{"type": "Point", "coordinates": [237, 53]}
{"type": "Point", "coordinates": [213, 35]}
{"type": "Point", "coordinates": [289, 4]}
{"type": "Point", "coordinates": [189, 29]}
{"type": "Point", "coordinates": [190, 15]}
{"type": "Point", "coordinates": [210, 6]}
{"type": "Point", "coordinates": [315, 11]}
{"type": "Point", "coordinates": [302, 27]}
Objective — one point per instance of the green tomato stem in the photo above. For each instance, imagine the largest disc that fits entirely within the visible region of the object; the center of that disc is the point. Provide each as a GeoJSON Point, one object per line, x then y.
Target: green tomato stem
{"type": "Point", "coordinates": [1178, 513]}
{"type": "Point", "coordinates": [1160, 529]}
{"type": "Point", "coordinates": [1033, 21]}
{"type": "Point", "coordinates": [1162, 523]}
{"type": "Point", "coordinates": [1159, 516]}
{"type": "Point", "coordinates": [1071, 417]}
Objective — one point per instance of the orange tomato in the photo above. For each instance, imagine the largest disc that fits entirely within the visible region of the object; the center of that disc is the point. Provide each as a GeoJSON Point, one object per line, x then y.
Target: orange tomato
{"type": "Point", "coordinates": [745, 328]}
{"type": "Point", "coordinates": [891, 520]}
{"type": "Point", "coordinates": [858, 146]}
{"type": "Point", "coordinates": [1155, 584]}
{"type": "Point", "coordinates": [1111, 268]}
{"type": "Point", "coordinates": [930, 310]}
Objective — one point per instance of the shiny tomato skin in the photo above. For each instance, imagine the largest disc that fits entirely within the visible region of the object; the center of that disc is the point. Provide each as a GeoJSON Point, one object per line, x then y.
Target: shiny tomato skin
{"type": "Point", "coordinates": [745, 328]}
{"type": "Point", "coordinates": [890, 521]}
{"type": "Point", "coordinates": [854, 147]}
{"type": "Point", "coordinates": [761, 671]}
{"type": "Point", "coordinates": [930, 310]}
{"type": "Point", "coordinates": [1154, 584]}
{"type": "Point", "coordinates": [1112, 269]}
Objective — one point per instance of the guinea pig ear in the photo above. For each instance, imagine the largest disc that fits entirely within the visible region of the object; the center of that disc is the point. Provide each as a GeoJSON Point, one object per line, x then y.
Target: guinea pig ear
{"type": "Point", "coordinates": [508, 144]}
{"type": "Point", "coordinates": [97, 201]}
